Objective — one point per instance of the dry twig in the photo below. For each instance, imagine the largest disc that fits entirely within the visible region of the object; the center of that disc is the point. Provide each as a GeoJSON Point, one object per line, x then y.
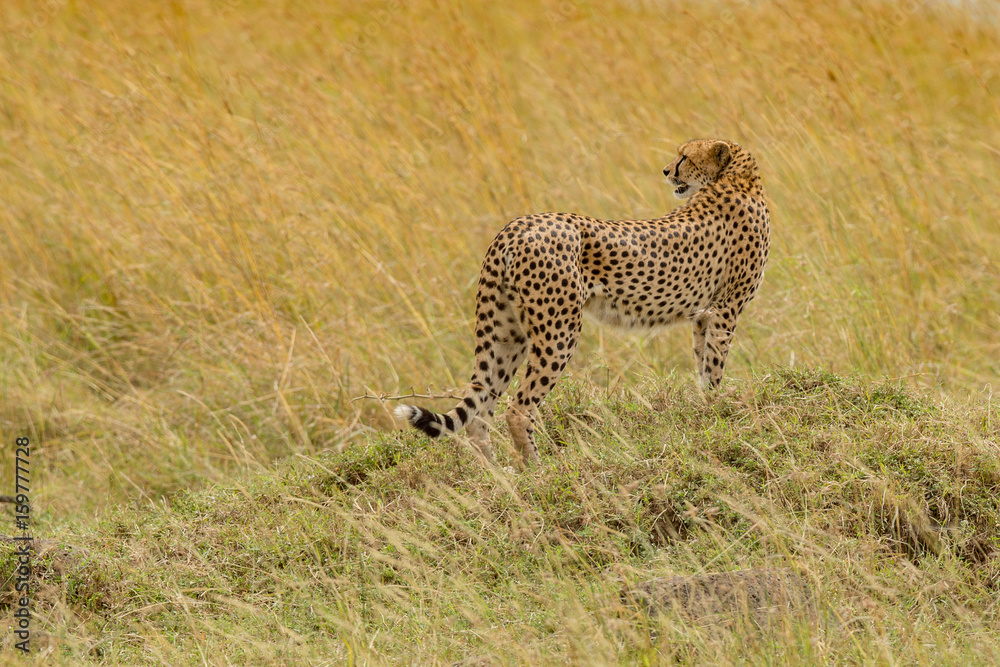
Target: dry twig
{"type": "Point", "coordinates": [386, 397]}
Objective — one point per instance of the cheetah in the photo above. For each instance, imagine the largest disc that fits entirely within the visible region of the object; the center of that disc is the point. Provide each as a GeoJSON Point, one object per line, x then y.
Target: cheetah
{"type": "Point", "coordinates": [701, 263]}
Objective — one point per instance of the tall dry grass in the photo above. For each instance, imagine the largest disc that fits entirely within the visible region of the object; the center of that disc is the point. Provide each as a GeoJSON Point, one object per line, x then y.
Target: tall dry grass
{"type": "Point", "coordinates": [223, 221]}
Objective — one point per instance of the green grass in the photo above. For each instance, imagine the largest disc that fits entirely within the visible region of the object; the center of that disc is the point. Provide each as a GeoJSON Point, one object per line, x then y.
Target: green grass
{"type": "Point", "coordinates": [405, 549]}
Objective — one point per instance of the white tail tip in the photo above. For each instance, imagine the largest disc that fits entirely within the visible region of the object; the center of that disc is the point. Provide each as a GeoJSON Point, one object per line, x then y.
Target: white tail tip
{"type": "Point", "coordinates": [405, 412]}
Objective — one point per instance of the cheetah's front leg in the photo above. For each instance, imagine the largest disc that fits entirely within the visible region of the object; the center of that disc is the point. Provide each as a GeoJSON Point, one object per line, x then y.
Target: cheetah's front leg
{"type": "Point", "coordinates": [700, 329]}
{"type": "Point", "coordinates": [718, 336]}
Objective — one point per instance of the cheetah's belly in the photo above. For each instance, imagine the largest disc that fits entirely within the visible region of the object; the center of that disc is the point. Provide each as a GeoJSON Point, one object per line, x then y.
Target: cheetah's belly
{"type": "Point", "coordinates": [624, 314]}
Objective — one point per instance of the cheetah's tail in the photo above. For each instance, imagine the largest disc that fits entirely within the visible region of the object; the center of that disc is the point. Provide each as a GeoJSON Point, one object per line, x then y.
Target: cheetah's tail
{"type": "Point", "coordinates": [436, 425]}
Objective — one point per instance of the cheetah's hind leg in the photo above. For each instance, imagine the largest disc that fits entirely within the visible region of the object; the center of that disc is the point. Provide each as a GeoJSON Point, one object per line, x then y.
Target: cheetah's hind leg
{"type": "Point", "coordinates": [553, 341]}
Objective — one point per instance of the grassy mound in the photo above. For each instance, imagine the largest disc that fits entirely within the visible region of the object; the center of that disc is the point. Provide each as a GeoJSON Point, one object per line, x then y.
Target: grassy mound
{"type": "Point", "coordinates": [214, 238]}
{"type": "Point", "coordinates": [404, 549]}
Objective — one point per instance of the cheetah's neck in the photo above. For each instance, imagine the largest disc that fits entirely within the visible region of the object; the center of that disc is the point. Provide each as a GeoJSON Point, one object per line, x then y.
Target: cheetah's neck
{"type": "Point", "coordinates": [742, 173]}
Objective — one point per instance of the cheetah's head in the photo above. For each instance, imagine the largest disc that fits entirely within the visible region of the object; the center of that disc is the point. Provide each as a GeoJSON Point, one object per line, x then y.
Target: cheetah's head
{"type": "Point", "coordinates": [698, 164]}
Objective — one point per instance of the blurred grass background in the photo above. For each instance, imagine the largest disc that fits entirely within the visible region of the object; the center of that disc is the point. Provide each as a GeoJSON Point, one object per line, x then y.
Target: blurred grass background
{"type": "Point", "coordinates": [224, 220]}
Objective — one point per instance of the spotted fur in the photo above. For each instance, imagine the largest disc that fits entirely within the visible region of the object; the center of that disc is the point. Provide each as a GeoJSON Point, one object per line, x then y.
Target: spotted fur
{"type": "Point", "coordinates": [701, 263]}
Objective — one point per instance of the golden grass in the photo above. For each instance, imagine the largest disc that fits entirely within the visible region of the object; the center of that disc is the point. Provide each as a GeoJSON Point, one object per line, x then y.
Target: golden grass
{"type": "Point", "coordinates": [225, 220]}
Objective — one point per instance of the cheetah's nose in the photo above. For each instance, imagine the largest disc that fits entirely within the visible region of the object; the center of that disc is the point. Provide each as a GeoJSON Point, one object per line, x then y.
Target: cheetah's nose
{"type": "Point", "coordinates": [666, 172]}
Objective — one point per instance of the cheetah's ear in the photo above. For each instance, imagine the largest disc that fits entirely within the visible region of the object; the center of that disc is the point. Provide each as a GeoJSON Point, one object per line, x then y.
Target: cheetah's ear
{"type": "Point", "coordinates": [719, 152]}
